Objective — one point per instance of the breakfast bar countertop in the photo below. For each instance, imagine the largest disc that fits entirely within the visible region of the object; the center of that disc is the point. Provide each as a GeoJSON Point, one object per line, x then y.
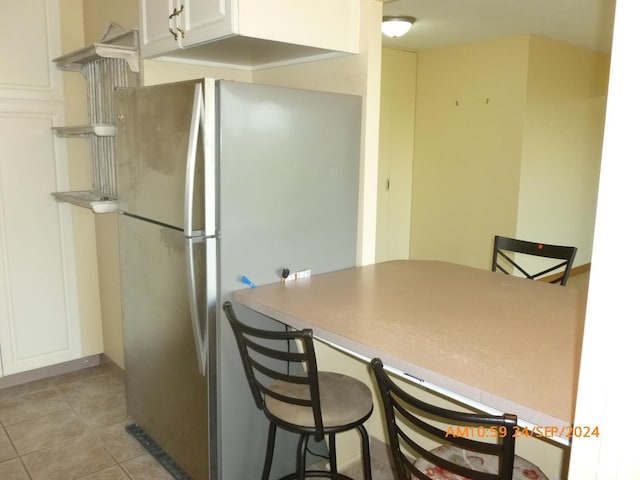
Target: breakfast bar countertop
{"type": "Point", "coordinates": [506, 343]}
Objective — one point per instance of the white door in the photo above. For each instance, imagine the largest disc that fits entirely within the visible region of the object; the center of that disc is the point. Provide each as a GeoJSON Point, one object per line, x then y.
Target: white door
{"type": "Point", "coordinates": [39, 323]}
{"type": "Point", "coordinates": [395, 167]}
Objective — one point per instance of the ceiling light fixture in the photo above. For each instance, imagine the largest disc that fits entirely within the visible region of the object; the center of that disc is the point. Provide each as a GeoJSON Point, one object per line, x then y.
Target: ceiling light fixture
{"type": "Point", "coordinates": [396, 26]}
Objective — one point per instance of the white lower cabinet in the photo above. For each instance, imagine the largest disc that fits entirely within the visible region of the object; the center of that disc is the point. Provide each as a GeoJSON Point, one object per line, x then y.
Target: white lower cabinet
{"type": "Point", "coordinates": [39, 323]}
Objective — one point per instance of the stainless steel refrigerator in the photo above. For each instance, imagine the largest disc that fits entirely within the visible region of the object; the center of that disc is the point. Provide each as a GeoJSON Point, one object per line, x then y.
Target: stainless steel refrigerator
{"type": "Point", "coordinates": [218, 180]}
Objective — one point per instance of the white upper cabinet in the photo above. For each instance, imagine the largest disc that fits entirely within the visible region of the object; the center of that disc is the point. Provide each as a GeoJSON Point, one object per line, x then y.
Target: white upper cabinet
{"type": "Point", "coordinates": [249, 33]}
{"type": "Point", "coordinates": [204, 20]}
{"type": "Point", "coordinates": [158, 22]}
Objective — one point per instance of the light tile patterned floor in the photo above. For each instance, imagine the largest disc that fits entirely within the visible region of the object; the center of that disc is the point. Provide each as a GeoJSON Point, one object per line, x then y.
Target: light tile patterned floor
{"type": "Point", "coordinates": [71, 427]}
{"type": "Point", "coordinates": [380, 470]}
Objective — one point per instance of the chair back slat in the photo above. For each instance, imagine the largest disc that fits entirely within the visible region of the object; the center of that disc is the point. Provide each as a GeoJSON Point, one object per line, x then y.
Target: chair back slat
{"type": "Point", "coordinates": [503, 260]}
{"type": "Point", "coordinates": [412, 424]}
{"type": "Point", "coordinates": [272, 374]}
{"type": "Point", "coordinates": [286, 356]}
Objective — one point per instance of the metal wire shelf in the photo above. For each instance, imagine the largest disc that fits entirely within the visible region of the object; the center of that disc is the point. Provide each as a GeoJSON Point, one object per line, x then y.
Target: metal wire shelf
{"type": "Point", "coordinates": [108, 65]}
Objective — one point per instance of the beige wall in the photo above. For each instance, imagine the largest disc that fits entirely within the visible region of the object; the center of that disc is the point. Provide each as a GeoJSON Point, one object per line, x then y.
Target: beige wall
{"type": "Point", "coordinates": [508, 141]}
{"type": "Point", "coordinates": [470, 108]}
{"type": "Point", "coordinates": [158, 71]}
{"type": "Point", "coordinates": [99, 13]}
{"type": "Point", "coordinates": [562, 145]}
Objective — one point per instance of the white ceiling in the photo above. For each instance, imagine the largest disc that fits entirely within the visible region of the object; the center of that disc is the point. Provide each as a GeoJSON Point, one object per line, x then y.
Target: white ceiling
{"type": "Point", "coordinates": [586, 23]}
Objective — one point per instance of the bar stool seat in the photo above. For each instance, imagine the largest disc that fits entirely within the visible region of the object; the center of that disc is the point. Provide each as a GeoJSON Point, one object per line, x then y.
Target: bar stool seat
{"type": "Point", "coordinates": [343, 399]}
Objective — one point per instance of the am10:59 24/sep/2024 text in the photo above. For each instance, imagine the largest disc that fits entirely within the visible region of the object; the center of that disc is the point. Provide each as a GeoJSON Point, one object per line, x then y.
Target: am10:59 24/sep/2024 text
{"type": "Point", "coordinates": [567, 431]}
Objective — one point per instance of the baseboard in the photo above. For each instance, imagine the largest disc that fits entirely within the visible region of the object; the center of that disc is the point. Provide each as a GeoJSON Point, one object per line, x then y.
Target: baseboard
{"type": "Point", "coordinates": [50, 371]}
{"type": "Point", "coordinates": [580, 269]}
{"type": "Point", "coordinates": [111, 366]}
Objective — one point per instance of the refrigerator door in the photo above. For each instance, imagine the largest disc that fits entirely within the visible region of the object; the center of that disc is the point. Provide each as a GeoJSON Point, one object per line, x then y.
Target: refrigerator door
{"type": "Point", "coordinates": [166, 392]}
{"type": "Point", "coordinates": [163, 160]}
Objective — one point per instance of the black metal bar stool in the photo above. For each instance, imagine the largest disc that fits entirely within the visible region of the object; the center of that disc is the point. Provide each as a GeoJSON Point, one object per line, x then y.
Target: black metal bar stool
{"type": "Point", "coordinates": [561, 269]}
{"type": "Point", "coordinates": [301, 400]}
{"type": "Point", "coordinates": [468, 446]}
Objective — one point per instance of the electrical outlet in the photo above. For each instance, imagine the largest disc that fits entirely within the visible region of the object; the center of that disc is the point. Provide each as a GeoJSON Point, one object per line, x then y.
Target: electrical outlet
{"type": "Point", "coordinates": [303, 274]}
{"type": "Point", "coordinates": [298, 275]}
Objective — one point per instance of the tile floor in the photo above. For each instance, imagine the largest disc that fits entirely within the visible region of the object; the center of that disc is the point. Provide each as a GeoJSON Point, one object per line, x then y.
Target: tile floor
{"type": "Point", "coordinates": [379, 471]}
{"type": "Point", "coordinates": [71, 427]}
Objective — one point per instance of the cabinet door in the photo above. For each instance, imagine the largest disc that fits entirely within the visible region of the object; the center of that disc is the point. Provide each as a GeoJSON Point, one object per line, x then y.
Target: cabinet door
{"type": "Point", "coordinates": [169, 25]}
{"type": "Point", "coordinates": [204, 20]}
{"type": "Point", "coordinates": [39, 324]}
{"type": "Point", "coordinates": [156, 37]}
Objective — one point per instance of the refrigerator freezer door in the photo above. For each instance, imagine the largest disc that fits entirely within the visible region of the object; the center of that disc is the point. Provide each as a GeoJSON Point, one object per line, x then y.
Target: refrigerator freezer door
{"type": "Point", "coordinates": [166, 393]}
{"type": "Point", "coordinates": [157, 130]}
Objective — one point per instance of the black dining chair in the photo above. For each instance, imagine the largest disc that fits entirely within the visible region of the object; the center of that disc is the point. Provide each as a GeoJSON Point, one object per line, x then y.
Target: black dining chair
{"type": "Point", "coordinates": [505, 247]}
{"type": "Point", "coordinates": [461, 445]}
{"type": "Point", "coordinates": [299, 398]}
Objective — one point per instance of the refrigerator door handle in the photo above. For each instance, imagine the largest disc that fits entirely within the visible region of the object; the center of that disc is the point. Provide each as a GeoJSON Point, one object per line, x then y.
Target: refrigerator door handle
{"type": "Point", "coordinates": [199, 336]}
{"type": "Point", "coordinates": [197, 121]}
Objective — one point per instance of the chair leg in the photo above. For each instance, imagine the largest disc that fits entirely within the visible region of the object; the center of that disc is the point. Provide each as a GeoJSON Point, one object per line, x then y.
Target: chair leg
{"type": "Point", "coordinates": [332, 453]}
{"type": "Point", "coordinates": [301, 460]}
{"type": "Point", "coordinates": [366, 456]}
{"type": "Point", "coordinates": [271, 441]}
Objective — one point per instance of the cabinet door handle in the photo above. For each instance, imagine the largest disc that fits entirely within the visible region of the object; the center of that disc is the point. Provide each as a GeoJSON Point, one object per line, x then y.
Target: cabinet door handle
{"type": "Point", "coordinates": [172, 23]}
{"type": "Point", "coordinates": [176, 12]}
